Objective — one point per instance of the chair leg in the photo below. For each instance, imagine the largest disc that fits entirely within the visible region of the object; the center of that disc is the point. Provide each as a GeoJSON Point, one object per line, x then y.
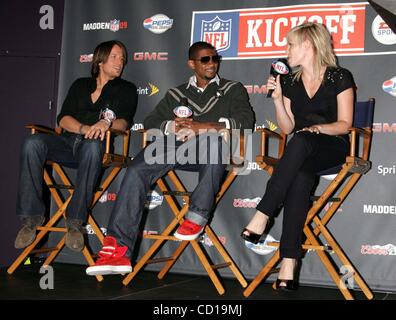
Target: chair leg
{"type": "Point", "coordinates": [183, 245]}
{"type": "Point", "coordinates": [227, 258]}
{"type": "Point", "coordinates": [343, 258]}
{"type": "Point", "coordinates": [117, 162]}
{"type": "Point", "coordinates": [329, 266]}
{"type": "Point", "coordinates": [320, 228]}
{"type": "Point", "coordinates": [55, 252]}
{"type": "Point", "coordinates": [153, 249]}
{"type": "Point", "coordinates": [179, 214]}
{"type": "Point", "coordinates": [91, 261]}
{"type": "Point", "coordinates": [208, 268]}
{"type": "Point", "coordinates": [96, 228]}
{"type": "Point", "coordinates": [262, 274]}
{"type": "Point", "coordinates": [22, 257]}
{"type": "Point", "coordinates": [342, 195]}
{"type": "Point", "coordinates": [43, 231]}
{"type": "Point", "coordinates": [142, 262]}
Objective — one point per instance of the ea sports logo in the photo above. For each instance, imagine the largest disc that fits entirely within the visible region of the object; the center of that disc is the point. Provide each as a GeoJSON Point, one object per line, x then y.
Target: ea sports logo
{"type": "Point", "coordinates": [382, 33]}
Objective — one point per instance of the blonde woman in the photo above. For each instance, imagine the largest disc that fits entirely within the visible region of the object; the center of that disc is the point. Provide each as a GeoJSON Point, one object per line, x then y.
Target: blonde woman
{"type": "Point", "coordinates": [315, 103]}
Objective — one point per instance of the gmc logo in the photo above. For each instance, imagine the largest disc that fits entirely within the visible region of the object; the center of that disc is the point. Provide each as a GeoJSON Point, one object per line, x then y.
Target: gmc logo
{"type": "Point", "coordinates": [154, 56]}
{"type": "Point", "coordinates": [384, 127]}
{"type": "Point", "coordinates": [86, 58]}
{"type": "Point", "coordinates": [256, 89]}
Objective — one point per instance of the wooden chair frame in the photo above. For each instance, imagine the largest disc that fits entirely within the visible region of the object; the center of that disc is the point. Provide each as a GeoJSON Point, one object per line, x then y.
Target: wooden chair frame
{"type": "Point", "coordinates": [179, 213]}
{"type": "Point", "coordinates": [115, 161]}
{"type": "Point", "coordinates": [354, 167]}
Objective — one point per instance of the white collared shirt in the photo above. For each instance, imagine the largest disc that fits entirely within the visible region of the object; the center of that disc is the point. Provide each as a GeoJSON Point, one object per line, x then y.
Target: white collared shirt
{"type": "Point", "coordinates": [193, 82]}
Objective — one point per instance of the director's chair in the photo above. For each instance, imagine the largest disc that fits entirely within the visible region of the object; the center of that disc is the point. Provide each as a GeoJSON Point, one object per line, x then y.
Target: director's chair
{"type": "Point", "coordinates": [110, 160]}
{"type": "Point", "coordinates": [179, 213]}
{"type": "Point", "coordinates": [343, 179]}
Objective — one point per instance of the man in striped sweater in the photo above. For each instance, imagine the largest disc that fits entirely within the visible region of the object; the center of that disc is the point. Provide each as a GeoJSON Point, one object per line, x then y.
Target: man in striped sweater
{"type": "Point", "coordinates": [212, 105]}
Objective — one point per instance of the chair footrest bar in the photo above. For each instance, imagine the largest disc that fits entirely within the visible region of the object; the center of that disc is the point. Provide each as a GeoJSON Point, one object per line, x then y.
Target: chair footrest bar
{"type": "Point", "coordinates": [68, 187]}
{"type": "Point", "coordinates": [114, 160]}
{"type": "Point", "coordinates": [316, 198]}
{"type": "Point", "coordinates": [274, 270]}
{"type": "Point", "coordinates": [176, 193]}
{"type": "Point", "coordinates": [52, 229]}
{"type": "Point", "coordinates": [60, 186]}
{"type": "Point", "coordinates": [220, 265]}
{"type": "Point", "coordinates": [154, 236]}
{"type": "Point", "coordinates": [158, 260]}
{"type": "Point", "coordinates": [305, 246]}
{"type": "Point", "coordinates": [43, 250]}
{"type": "Point", "coordinates": [312, 247]}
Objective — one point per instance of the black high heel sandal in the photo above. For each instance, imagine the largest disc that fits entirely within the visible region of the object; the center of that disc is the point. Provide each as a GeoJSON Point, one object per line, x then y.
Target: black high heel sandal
{"type": "Point", "coordinates": [251, 237]}
{"type": "Point", "coordinates": [290, 284]}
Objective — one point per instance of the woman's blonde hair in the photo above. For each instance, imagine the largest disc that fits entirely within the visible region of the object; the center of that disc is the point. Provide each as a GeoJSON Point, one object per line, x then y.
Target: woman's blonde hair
{"type": "Point", "coordinates": [321, 41]}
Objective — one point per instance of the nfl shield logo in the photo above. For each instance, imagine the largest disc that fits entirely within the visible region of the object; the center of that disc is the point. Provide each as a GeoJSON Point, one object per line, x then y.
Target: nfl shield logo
{"type": "Point", "coordinates": [217, 32]}
{"type": "Point", "coordinates": [114, 25]}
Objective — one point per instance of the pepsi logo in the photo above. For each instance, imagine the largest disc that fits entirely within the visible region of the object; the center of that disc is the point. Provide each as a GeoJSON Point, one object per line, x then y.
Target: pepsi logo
{"type": "Point", "coordinates": [153, 200]}
{"type": "Point", "coordinates": [158, 23]}
{"type": "Point", "coordinates": [389, 86]}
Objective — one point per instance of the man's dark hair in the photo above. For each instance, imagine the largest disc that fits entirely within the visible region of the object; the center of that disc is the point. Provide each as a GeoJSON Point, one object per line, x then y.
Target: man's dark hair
{"type": "Point", "coordinates": [198, 46]}
{"type": "Point", "coordinates": [102, 52]}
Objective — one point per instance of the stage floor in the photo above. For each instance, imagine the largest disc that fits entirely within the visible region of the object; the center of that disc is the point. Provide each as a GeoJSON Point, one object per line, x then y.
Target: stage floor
{"type": "Point", "coordinates": [71, 282]}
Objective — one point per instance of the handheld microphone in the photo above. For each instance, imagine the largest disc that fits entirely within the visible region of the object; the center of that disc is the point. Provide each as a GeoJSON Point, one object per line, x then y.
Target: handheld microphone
{"type": "Point", "coordinates": [278, 67]}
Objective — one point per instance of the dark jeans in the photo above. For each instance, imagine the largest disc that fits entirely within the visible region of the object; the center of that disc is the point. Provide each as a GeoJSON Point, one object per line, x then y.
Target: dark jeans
{"type": "Point", "coordinates": [140, 176]}
{"type": "Point", "coordinates": [292, 181]}
{"type": "Point", "coordinates": [72, 150]}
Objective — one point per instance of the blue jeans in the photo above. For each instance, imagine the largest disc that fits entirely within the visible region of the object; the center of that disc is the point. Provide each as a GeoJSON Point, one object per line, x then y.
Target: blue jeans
{"type": "Point", "coordinates": [140, 176]}
{"type": "Point", "coordinates": [71, 150]}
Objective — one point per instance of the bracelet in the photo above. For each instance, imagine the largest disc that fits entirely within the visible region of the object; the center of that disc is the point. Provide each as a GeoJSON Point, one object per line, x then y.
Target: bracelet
{"type": "Point", "coordinates": [108, 121]}
{"type": "Point", "coordinates": [80, 129]}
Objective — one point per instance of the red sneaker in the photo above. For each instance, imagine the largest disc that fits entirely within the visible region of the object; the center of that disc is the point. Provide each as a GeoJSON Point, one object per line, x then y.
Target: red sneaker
{"type": "Point", "coordinates": [188, 230]}
{"type": "Point", "coordinates": [112, 259]}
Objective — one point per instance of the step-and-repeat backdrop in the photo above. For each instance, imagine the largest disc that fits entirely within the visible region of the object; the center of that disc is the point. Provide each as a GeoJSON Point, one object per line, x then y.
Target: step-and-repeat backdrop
{"type": "Point", "coordinates": [249, 35]}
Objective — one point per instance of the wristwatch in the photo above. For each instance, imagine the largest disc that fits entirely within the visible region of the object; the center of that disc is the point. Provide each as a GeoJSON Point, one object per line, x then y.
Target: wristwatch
{"type": "Point", "coordinates": [108, 115]}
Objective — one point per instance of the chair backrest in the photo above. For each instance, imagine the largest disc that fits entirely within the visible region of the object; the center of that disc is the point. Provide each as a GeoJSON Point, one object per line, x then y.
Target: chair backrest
{"type": "Point", "coordinates": [364, 114]}
{"type": "Point", "coordinates": [363, 118]}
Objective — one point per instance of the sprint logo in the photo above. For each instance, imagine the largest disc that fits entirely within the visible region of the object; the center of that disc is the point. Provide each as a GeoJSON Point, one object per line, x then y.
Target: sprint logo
{"type": "Point", "coordinates": [269, 124]}
{"type": "Point", "coordinates": [154, 89]}
{"type": "Point", "coordinates": [149, 90]}
{"type": "Point", "coordinates": [272, 126]}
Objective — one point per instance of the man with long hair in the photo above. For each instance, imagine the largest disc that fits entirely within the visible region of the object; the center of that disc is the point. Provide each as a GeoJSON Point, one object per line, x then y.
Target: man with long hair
{"type": "Point", "coordinates": [92, 105]}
